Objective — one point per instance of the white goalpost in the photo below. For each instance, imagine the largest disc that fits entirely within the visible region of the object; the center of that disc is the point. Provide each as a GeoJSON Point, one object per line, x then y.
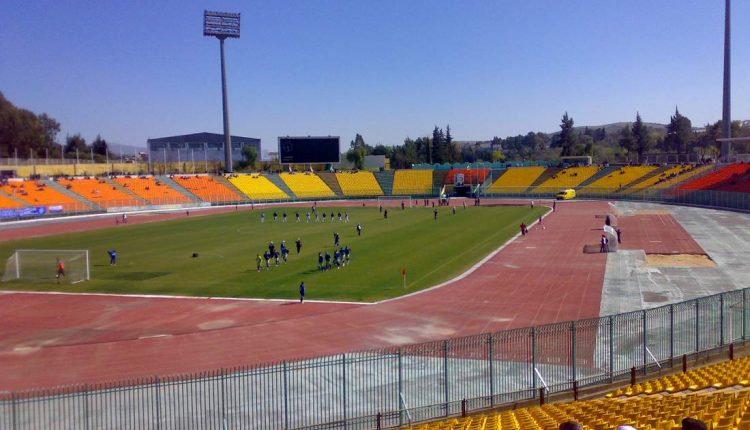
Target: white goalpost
{"type": "Point", "coordinates": [406, 199]}
{"type": "Point", "coordinates": [41, 265]}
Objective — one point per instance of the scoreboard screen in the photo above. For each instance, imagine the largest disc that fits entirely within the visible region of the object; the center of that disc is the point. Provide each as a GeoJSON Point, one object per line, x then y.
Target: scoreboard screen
{"type": "Point", "coordinates": [309, 150]}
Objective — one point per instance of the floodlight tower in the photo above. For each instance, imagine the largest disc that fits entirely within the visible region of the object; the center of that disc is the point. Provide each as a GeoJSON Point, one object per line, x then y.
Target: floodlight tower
{"type": "Point", "coordinates": [223, 25]}
{"type": "Point", "coordinates": [726, 116]}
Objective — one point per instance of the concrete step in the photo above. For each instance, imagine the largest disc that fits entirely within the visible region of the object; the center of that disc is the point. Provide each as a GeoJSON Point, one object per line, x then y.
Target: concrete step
{"type": "Point", "coordinates": [332, 182]}
{"type": "Point", "coordinates": [276, 179]}
{"type": "Point", "coordinates": [385, 179]}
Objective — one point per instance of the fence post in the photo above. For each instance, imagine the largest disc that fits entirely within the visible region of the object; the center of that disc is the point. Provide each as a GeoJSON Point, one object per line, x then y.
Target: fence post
{"type": "Point", "coordinates": [744, 313]}
{"type": "Point", "coordinates": [343, 386]}
{"type": "Point", "coordinates": [533, 360]}
{"type": "Point", "coordinates": [632, 376]}
{"type": "Point", "coordinates": [13, 409]}
{"type": "Point", "coordinates": [445, 375]}
{"type": "Point", "coordinates": [158, 401]}
{"type": "Point", "coordinates": [541, 396]}
{"type": "Point", "coordinates": [492, 373]}
{"type": "Point", "coordinates": [86, 407]}
{"type": "Point", "coordinates": [671, 335]}
{"type": "Point", "coordinates": [611, 350]}
{"type": "Point", "coordinates": [721, 319]}
{"type": "Point", "coordinates": [645, 342]}
{"type": "Point", "coordinates": [575, 390]}
{"type": "Point", "coordinates": [684, 363]}
{"type": "Point", "coordinates": [697, 326]}
{"type": "Point", "coordinates": [400, 390]}
{"type": "Point", "coordinates": [573, 349]}
{"type": "Point", "coordinates": [286, 395]}
{"type": "Point", "coordinates": [223, 401]}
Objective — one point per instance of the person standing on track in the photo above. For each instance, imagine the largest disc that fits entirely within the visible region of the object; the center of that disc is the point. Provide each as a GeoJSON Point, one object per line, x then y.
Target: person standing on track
{"type": "Point", "coordinates": [302, 292]}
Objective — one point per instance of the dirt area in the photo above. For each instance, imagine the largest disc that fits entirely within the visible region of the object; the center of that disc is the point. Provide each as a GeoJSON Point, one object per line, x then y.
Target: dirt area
{"type": "Point", "coordinates": [679, 260]}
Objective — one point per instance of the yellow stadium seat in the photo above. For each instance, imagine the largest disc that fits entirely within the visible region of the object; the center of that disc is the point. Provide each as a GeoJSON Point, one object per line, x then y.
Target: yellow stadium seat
{"type": "Point", "coordinates": [407, 182]}
{"type": "Point", "coordinates": [307, 185]}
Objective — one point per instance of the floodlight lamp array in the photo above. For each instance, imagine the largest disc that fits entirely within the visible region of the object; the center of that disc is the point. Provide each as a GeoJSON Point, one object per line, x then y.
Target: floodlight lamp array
{"type": "Point", "coordinates": [221, 24]}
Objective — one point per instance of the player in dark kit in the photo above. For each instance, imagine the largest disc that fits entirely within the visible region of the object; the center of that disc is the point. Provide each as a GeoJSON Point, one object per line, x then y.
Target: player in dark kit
{"type": "Point", "coordinates": [298, 242]}
{"type": "Point", "coordinates": [320, 261]}
{"type": "Point", "coordinates": [335, 239]}
{"type": "Point", "coordinates": [359, 229]}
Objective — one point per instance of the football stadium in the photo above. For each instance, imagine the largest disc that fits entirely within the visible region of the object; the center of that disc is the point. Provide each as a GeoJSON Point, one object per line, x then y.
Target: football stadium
{"type": "Point", "coordinates": [195, 287]}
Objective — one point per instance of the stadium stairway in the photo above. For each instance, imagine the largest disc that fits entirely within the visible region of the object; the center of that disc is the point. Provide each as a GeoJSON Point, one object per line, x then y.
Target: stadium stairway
{"type": "Point", "coordinates": [697, 172]}
{"type": "Point", "coordinates": [224, 181]}
{"type": "Point", "coordinates": [494, 174]}
{"type": "Point", "coordinates": [166, 180]}
{"type": "Point", "coordinates": [18, 202]}
{"type": "Point", "coordinates": [69, 193]}
{"type": "Point", "coordinates": [600, 174]}
{"type": "Point", "coordinates": [333, 183]}
{"type": "Point", "coordinates": [646, 177]}
{"type": "Point", "coordinates": [548, 174]}
{"type": "Point", "coordinates": [141, 201]}
{"type": "Point", "coordinates": [385, 179]}
{"type": "Point", "coordinates": [276, 179]}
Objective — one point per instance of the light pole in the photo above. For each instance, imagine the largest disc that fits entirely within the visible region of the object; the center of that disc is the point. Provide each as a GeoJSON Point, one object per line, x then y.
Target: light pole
{"type": "Point", "coordinates": [726, 116]}
{"type": "Point", "coordinates": [223, 25]}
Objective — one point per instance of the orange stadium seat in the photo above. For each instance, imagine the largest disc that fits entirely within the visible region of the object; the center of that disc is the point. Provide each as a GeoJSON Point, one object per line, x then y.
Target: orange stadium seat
{"type": "Point", "coordinates": [8, 203]}
{"type": "Point", "coordinates": [100, 192]}
{"type": "Point", "coordinates": [37, 193]}
{"type": "Point", "coordinates": [718, 180]}
{"type": "Point", "coordinates": [209, 189]}
{"type": "Point", "coordinates": [153, 190]}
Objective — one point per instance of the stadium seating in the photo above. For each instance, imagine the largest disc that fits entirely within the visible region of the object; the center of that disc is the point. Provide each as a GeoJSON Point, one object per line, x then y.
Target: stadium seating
{"type": "Point", "coordinates": [648, 182]}
{"type": "Point", "coordinates": [208, 188]}
{"type": "Point", "coordinates": [8, 203]}
{"type": "Point", "coordinates": [516, 180]}
{"type": "Point", "coordinates": [257, 187]}
{"type": "Point", "coordinates": [151, 189]}
{"type": "Point", "coordinates": [307, 185]}
{"type": "Point", "coordinates": [100, 192]}
{"type": "Point", "coordinates": [686, 173]}
{"type": "Point", "coordinates": [570, 177]}
{"type": "Point", "coordinates": [359, 184]}
{"type": "Point", "coordinates": [471, 176]}
{"type": "Point", "coordinates": [716, 394]}
{"type": "Point", "coordinates": [412, 182]}
{"type": "Point", "coordinates": [37, 193]}
{"type": "Point", "coordinates": [619, 179]}
{"type": "Point", "coordinates": [719, 179]}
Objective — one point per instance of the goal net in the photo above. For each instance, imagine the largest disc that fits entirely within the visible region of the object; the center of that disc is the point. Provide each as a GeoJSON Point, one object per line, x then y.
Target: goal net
{"type": "Point", "coordinates": [41, 265]}
{"type": "Point", "coordinates": [406, 199]}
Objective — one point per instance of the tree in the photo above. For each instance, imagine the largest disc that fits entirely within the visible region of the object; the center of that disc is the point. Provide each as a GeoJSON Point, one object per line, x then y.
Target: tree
{"type": "Point", "coordinates": [627, 141]}
{"type": "Point", "coordinates": [358, 149]}
{"type": "Point", "coordinates": [679, 133]}
{"type": "Point", "coordinates": [641, 137]}
{"type": "Point", "coordinates": [250, 155]}
{"type": "Point", "coordinates": [437, 147]}
{"type": "Point", "coordinates": [75, 142]}
{"type": "Point", "coordinates": [567, 138]}
{"type": "Point", "coordinates": [99, 146]}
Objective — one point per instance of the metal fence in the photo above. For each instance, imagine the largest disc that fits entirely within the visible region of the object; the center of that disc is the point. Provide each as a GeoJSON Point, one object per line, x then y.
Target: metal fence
{"type": "Point", "coordinates": [388, 387]}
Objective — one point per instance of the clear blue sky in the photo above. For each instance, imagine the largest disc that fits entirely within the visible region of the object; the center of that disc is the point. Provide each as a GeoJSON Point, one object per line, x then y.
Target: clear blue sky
{"type": "Point", "coordinates": [386, 69]}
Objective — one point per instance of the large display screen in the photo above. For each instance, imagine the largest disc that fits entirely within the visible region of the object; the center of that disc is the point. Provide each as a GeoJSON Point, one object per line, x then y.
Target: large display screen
{"type": "Point", "coordinates": [309, 150]}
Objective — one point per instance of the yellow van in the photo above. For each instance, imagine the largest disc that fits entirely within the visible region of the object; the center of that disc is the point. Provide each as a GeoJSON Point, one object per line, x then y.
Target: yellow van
{"type": "Point", "coordinates": [567, 194]}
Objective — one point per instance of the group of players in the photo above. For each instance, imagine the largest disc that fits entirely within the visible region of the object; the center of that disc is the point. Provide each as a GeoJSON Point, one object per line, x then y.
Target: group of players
{"type": "Point", "coordinates": [276, 255]}
{"type": "Point", "coordinates": [341, 255]}
{"type": "Point", "coordinates": [313, 212]}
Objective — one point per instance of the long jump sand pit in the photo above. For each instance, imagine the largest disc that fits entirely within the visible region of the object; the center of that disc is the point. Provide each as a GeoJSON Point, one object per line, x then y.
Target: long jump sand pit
{"type": "Point", "coordinates": [679, 260]}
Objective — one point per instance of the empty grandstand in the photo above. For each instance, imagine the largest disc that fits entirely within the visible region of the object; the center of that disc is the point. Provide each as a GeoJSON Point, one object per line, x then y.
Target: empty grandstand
{"type": "Point", "coordinates": [208, 188]}
{"type": "Point", "coordinates": [515, 180]}
{"type": "Point", "coordinates": [153, 190]}
{"type": "Point", "coordinates": [39, 193]}
{"type": "Point", "coordinates": [617, 179]}
{"type": "Point", "coordinates": [307, 185]}
{"type": "Point", "coordinates": [358, 184]}
{"type": "Point", "coordinates": [101, 192]}
{"type": "Point", "coordinates": [730, 178]}
{"type": "Point", "coordinates": [570, 177]}
{"type": "Point", "coordinates": [257, 187]}
{"type": "Point", "coordinates": [417, 182]}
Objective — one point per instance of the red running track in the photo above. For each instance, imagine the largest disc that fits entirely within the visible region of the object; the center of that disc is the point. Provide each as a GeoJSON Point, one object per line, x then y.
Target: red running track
{"type": "Point", "coordinates": [50, 339]}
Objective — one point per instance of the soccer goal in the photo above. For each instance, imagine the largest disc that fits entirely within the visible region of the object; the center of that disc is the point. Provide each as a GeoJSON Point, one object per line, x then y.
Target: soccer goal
{"type": "Point", "coordinates": [406, 199]}
{"type": "Point", "coordinates": [41, 265]}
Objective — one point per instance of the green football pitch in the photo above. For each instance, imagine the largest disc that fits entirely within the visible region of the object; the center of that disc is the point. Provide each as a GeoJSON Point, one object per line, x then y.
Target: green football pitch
{"type": "Point", "coordinates": [157, 258]}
